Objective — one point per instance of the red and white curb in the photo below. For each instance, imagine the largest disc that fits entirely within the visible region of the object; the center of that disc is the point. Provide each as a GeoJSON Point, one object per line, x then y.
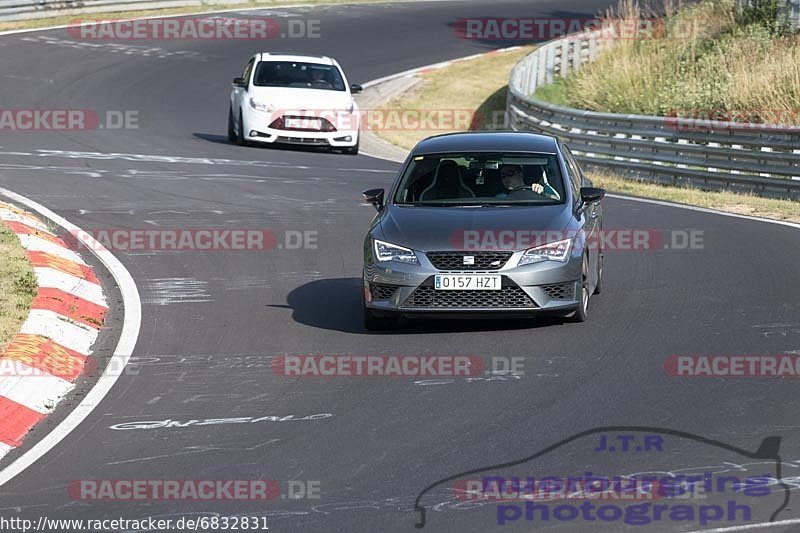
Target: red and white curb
{"type": "Point", "coordinates": [40, 364]}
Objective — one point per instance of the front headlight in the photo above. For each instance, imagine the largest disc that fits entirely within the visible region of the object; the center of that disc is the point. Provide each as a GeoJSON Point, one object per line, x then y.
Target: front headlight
{"type": "Point", "coordinates": [385, 251]}
{"type": "Point", "coordinates": [552, 251]}
{"type": "Point", "coordinates": [261, 106]}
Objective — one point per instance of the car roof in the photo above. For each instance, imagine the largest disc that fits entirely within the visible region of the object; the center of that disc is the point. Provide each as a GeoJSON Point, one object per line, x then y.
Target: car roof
{"type": "Point", "coordinates": [489, 141]}
{"type": "Point", "coordinates": [288, 56]}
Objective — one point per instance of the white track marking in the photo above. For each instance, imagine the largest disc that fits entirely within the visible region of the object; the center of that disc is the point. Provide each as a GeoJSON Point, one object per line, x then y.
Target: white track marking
{"type": "Point", "coordinates": [56, 327]}
{"type": "Point", "coordinates": [127, 341]}
{"type": "Point", "coordinates": [704, 210]}
{"type": "Point", "coordinates": [4, 449]}
{"type": "Point", "coordinates": [750, 527]}
{"type": "Point", "coordinates": [34, 389]}
{"type": "Point", "coordinates": [6, 214]}
{"type": "Point", "coordinates": [55, 279]}
{"type": "Point", "coordinates": [32, 243]}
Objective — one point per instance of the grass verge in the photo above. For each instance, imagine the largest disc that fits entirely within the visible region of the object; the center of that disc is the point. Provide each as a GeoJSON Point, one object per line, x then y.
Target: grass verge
{"type": "Point", "coordinates": [481, 86]}
{"type": "Point", "coordinates": [17, 285]}
{"type": "Point", "coordinates": [62, 20]}
{"type": "Point", "coordinates": [711, 59]}
{"type": "Point", "coordinates": [474, 85]}
{"type": "Point", "coordinates": [729, 202]}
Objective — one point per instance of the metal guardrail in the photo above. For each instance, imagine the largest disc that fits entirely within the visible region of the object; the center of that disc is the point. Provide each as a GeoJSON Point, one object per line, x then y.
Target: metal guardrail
{"type": "Point", "coordinates": [12, 10]}
{"type": "Point", "coordinates": [707, 154]}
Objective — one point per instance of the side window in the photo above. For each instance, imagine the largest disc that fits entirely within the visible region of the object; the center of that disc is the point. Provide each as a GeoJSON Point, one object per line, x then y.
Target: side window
{"type": "Point", "coordinates": [573, 170]}
{"type": "Point", "coordinates": [248, 70]}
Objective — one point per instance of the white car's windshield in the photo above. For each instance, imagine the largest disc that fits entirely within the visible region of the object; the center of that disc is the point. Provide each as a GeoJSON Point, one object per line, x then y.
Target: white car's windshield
{"type": "Point", "coordinates": [463, 179]}
{"type": "Point", "coordinates": [298, 75]}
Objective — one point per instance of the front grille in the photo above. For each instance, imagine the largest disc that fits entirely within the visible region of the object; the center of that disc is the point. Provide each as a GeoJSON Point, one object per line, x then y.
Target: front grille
{"type": "Point", "coordinates": [560, 291]}
{"type": "Point", "coordinates": [380, 291]}
{"type": "Point", "coordinates": [510, 295]}
{"type": "Point", "coordinates": [280, 124]}
{"type": "Point", "coordinates": [302, 140]}
{"type": "Point", "coordinates": [482, 260]}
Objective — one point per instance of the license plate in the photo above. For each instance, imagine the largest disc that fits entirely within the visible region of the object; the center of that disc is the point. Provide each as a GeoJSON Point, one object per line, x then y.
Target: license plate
{"type": "Point", "coordinates": [466, 282]}
{"type": "Point", "coordinates": [304, 123]}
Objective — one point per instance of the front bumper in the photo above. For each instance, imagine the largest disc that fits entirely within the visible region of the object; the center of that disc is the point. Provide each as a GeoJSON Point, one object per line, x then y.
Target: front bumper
{"type": "Point", "coordinates": [540, 288]}
{"type": "Point", "coordinates": [257, 129]}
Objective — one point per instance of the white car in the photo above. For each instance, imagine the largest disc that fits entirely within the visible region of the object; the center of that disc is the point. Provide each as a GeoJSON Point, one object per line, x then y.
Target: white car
{"type": "Point", "coordinates": [294, 99]}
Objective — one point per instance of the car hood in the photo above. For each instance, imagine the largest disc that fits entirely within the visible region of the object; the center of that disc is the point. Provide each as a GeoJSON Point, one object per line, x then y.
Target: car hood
{"type": "Point", "coordinates": [442, 228]}
{"type": "Point", "coordinates": [297, 99]}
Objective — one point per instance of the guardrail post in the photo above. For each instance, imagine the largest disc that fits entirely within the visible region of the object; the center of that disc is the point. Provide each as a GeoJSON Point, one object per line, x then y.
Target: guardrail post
{"type": "Point", "coordinates": [566, 47]}
{"type": "Point", "coordinates": [551, 63]}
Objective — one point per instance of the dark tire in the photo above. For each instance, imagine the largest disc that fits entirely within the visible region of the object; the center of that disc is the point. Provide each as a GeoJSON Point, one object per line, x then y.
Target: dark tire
{"type": "Point", "coordinates": [599, 288]}
{"type": "Point", "coordinates": [231, 128]}
{"type": "Point", "coordinates": [374, 322]}
{"type": "Point", "coordinates": [581, 314]}
{"type": "Point", "coordinates": [353, 150]}
{"type": "Point", "coordinates": [240, 132]}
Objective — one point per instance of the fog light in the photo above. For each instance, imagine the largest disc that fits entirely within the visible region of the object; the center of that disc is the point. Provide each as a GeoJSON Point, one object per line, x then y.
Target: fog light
{"type": "Point", "coordinates": [344, 139]}
{"type": "Point", "coordinates": [253, 133]}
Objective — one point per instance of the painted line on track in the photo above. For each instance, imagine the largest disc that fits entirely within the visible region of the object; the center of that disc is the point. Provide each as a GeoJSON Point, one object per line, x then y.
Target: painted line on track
{"type": "Point", "coordinates": [749, 527]}
{"type": "Point", "coordinates": [122, 353]}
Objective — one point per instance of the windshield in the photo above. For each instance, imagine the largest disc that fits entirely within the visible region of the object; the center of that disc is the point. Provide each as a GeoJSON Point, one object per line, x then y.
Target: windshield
{"type": "Point", "coordinates": [464, 179]}
{"type": "Point", "coordinates": [298, 75]}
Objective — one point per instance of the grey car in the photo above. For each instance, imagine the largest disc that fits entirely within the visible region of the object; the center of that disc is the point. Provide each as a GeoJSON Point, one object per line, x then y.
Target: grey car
{"type": "Point", "coordinates": [483, 225]}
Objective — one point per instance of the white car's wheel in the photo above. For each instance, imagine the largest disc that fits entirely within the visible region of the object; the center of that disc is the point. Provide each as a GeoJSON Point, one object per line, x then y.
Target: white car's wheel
{"type": "Point", "coordinates": [353, 150]}
{"type": "Point", "coordinates": [240, 131]}
{"type": "Point", "coordinates": [231, 126]}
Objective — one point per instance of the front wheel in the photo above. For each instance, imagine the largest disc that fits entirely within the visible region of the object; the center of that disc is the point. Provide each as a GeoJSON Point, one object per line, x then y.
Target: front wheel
{"type": "Point", "coordinates": [240, 131]}
{"type": "Point", "coordinates": [231, 126]}
{"type": "Point", "coordinates": [353, 150]}
{"type": "Point", "coordinates": [599, 287]}
{"type": "Point", "coordinates": [582, 313]}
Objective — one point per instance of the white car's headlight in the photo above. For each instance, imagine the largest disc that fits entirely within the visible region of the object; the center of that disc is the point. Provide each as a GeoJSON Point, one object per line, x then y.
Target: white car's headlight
{"type": "Point", "coordinates": [552, 251]}
{"type": "Point", "coordinates": [385, 251]}
{"type": "Point", "coordinates": [261, 106]}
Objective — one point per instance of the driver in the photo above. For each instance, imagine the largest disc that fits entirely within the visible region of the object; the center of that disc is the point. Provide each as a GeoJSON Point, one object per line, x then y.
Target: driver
{"type": "Point", "coordinates": [318, 77]}
{"type": "Point", "coordinates": [513, 180]}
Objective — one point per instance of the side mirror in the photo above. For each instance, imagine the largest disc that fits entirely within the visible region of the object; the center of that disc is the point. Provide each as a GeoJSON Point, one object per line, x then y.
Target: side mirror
{"type": "Point", "coordinates": [590, 195]}
{"type": "Point", "coordinates": [374, 197]}
{"type": "Point", "coordinates": [356, 88]}
{"type": "Point", "coordinates": [240, 82]}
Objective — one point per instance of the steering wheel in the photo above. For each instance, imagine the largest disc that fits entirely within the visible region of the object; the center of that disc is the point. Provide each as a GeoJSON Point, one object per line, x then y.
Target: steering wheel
{"type": "Point", "coordinates": [524, 188]}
